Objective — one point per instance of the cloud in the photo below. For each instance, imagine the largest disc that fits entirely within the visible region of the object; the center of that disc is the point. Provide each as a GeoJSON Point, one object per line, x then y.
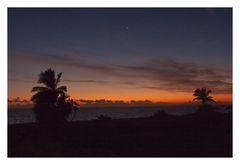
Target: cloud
{"type": "Point", "coordinates": [170, 75]}
{"type": "Point", "coordinates": [51, 59]}
{"type": "Point", "coordinates": [86, 81]}
{"type": "Point", "coordinates": [153, 74]}
{"type": "Point", "coordinates": [33, 80]}
{"type": "Point", "coordinates": [17, 100]}
{"type": "Point", "coordinates": [102, 82]}
{"type": "Point", "coordinates": [103, 102]}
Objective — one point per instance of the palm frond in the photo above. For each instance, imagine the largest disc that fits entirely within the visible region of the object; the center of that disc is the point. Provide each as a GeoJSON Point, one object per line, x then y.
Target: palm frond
{"type": "Point", "coordinates": [204, 90]}
{"type": "Point", "coordinates": [211, 100]}
{"type": "Point", "coordinates": [197, 98]}
{"type": "Point", "coordinates": [62, 88]}
{"type": "Point", "coordinates": [39, 88]}
{"type": "Point", "coordinates": [209, 91]}
{"type": "Point", "coordinates": [58, 78]}
{"type": "Point", "coordinates": [209, 97]}
{"type": "Point", "coordinates": [197, 92]}
{"type": "Point", "coordinates": [47, 78]}
{"type": "Point", "coordinates": [37, 96]}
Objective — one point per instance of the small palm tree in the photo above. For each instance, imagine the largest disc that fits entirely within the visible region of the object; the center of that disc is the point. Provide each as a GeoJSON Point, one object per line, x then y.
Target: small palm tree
{"type": "Point", "coordinates": [52, 104]}
{"type": "Point", "coordinates": [203, 95]}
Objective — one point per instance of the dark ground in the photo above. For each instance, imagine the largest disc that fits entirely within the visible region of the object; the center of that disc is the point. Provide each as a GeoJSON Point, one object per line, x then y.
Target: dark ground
{"type": "Point", "coordinates": [197, 135]}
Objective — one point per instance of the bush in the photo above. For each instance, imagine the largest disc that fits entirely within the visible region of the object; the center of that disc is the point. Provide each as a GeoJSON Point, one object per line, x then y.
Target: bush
{"type": "Point", "coordinates": [104, 118]}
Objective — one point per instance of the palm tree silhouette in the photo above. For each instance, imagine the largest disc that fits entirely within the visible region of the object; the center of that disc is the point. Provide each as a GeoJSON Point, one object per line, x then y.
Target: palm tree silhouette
{"type": "Point", "coordinates": [52, 104]}
{"type": "Point", "coordinates": [203, 95]}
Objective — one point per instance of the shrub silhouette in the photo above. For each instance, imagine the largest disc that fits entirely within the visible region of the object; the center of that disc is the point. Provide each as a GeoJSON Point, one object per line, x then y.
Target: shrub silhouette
{"type": "Point", "coordinates": [51, 103]}
{"type": "Point", "coordinates": [203, 96]}
{"type": "Point", "coordinates": [104, 118]}
{"type": "Point", "coordinates": [229, 108]}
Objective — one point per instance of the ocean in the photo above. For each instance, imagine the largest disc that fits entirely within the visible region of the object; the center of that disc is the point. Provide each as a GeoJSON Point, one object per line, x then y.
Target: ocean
{"type": "Point", "coordinates": [89, 113]}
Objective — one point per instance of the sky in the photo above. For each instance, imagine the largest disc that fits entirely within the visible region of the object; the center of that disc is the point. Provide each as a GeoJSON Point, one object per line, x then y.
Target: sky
{"type": "Point", "coordinates": [156, 54]}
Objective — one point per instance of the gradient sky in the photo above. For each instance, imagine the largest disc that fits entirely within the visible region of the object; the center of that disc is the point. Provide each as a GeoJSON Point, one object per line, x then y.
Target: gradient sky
{"type": "Point", "coordinates": [122, 54]}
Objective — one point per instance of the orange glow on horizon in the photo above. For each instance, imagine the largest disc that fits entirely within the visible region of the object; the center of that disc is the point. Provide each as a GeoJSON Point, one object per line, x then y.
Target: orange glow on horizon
{"type": "Point", "coordinates": [154, 96]}
{"type": "Point", "coordinates": [117, 92]}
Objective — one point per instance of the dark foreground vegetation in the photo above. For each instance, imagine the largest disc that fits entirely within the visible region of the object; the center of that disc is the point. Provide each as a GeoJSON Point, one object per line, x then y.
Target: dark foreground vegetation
{"type": "Point", "coordinates": [195, 135]}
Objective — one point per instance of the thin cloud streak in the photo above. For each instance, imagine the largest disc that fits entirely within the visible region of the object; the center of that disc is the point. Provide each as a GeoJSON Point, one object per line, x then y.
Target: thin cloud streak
{"type": "Point", "coordinates": [28, 80]}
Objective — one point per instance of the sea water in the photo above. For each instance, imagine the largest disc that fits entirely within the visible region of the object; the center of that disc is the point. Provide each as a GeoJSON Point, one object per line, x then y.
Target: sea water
{"type": "Point", "coordinates": [27, 115]}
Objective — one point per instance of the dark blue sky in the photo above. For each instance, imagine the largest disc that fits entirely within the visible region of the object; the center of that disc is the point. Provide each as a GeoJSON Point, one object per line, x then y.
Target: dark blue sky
{"type": "Point", "coordinates": [120, 38]}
